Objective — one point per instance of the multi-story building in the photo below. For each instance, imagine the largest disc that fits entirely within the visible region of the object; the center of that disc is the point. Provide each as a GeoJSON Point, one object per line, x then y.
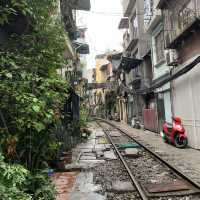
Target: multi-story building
{"type": "Point", "coordinates": [104, 84]}
{"type": "Point", "coordinates": [135, 45]}
{"type": "Point", "coordinates": [182, 39]}
{"type": "Point", "coordinates": [73, 71]}
{"type": "Point", "coordinates": [158, 104]}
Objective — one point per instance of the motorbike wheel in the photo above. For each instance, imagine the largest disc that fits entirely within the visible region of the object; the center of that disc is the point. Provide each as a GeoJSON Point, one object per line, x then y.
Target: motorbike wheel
{"type": "Point", "coordinates": [179, 142]}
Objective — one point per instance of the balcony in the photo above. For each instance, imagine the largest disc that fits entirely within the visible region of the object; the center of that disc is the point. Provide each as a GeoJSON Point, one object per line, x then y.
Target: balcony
{"type": "Point", "coordinates": [188, 19]}
{"type": "Point", "coordinates": [130, 39]}
{"type": "Point", "coordinates": [127, 7]}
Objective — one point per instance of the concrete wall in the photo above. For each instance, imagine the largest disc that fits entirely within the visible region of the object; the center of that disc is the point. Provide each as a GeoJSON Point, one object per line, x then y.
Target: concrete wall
{"type": "Point", "coordinates": [186, 102]}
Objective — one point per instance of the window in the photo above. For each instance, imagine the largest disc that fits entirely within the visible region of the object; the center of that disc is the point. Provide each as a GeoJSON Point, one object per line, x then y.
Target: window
{"type": "Point", "coordinates": [159, 45]}
{"type": "Point", "coordinates": [148, 11]}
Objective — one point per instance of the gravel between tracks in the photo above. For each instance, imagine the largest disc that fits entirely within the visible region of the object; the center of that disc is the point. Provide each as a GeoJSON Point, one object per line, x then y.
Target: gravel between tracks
{"type": "Point", "coordinates": [145, 168]}
{"type": "Point", "coordinates": [109, 172]}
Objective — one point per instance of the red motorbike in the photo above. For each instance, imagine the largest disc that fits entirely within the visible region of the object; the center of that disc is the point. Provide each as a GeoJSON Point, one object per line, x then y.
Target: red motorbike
{"type": "Point", "coordinates": [175, 133]}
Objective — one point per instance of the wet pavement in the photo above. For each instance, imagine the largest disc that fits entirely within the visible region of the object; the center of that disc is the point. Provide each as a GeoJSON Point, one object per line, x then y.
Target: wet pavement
{"type": "Point", "coordinates": [84, 188]}
{"type": "Point", "coordinates": [77, 182]}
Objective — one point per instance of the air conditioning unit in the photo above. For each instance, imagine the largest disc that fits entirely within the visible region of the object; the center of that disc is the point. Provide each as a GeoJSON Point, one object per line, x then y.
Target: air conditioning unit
{"type": "Point", "coordinates": [172, 57]}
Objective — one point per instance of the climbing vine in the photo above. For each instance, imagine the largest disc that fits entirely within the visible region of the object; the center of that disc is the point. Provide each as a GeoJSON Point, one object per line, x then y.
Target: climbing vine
{"type": "Point", "coordinates": [32, 94]}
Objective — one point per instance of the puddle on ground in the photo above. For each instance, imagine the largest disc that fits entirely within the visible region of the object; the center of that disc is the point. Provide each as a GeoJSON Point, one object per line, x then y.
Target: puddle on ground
{"type": "Point", "coordinates": [84, 189]}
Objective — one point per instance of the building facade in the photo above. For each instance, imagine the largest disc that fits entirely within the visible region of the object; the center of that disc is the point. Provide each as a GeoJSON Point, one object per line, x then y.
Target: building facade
{"type": "Point", "coordinates": [158, 107]}
{"type": "Point", "coordinates": [135, 44]}
{"type": "Point", "coordinates": [182, 39]}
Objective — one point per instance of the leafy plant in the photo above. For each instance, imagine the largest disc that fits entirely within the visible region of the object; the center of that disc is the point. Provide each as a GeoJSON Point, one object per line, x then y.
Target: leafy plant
{"type": "Point", "coordinates": [12, 179]}
{"type": "Point", "coordinates": [16, 183]}
{"type": "Point", "coordinates": [84, 116]}
{"type": "Point", "coordinates": [40, 186]}
{"type": "Point", "coordinates": [32, 95]}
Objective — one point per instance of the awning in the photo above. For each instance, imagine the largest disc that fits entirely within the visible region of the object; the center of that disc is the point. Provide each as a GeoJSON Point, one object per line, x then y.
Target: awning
{"type": "Point", "coordinates": [124, 23]}
{"type": "Point", "coordinates": [176, 74]}
{"type": "Point", "coordinates": [128, 63]}
{"type": "Point", "coordinates": [81, 5]}
{"type": "Point", "coordinates": [81, 48]}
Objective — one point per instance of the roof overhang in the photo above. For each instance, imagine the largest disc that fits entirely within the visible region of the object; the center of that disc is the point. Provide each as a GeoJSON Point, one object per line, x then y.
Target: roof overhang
{"type": "Point", "coordinates": [128, 63]}
{"type": "Point", "coordinates": [124, 23]}
{"type": "Point", "coordinates": [81, 48]}
{"type": "Point", "coordinates": [81, 5]}
{"type": "Point", "coordinates": [116, 56]}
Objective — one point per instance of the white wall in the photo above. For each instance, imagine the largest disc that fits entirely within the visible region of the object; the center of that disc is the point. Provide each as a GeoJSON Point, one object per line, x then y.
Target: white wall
{"type": "Point", "coordinates": [187, 104]}
{"type": "Point", "coordinates": [167, 104]}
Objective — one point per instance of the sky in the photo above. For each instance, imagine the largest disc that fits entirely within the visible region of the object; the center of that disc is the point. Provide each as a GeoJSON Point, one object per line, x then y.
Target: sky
{"type": "Point", "coordinates": [102, 27]}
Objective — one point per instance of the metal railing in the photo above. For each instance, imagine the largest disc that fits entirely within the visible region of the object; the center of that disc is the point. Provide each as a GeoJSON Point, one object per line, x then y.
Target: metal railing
{"type": "Point", "coordinates": [181, 22]}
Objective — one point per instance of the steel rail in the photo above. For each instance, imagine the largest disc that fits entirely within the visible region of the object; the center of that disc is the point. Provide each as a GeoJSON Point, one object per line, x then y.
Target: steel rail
{"type": "Point", "coordinates": [165, 162]}
{"type": "Point", "coordinates": [133, 179]}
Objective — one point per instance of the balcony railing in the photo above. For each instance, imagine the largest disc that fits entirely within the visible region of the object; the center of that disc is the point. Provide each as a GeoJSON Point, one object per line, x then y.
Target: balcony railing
{"type": "Point", "coordinates": [186, 21]}
{"type": "Point", "coordinates": [130, 39]}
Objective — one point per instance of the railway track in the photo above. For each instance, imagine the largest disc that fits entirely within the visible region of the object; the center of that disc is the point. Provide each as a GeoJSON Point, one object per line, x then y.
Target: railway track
{"type": "Point", "coordinates": [152, 177]}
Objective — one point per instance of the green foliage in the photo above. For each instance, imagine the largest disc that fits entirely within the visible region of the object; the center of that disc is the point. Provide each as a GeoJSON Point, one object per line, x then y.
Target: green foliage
{"type": "Point", "coordinates": [16, 183]}
{"type": "Point", "coordinates": [32, 98]}
{"type": "Point", "coordinates": [84, 116]}
{"type": "Point", "coordinates": [40, 187]}
{"type": "Point", "coordinates": [12, 179]}
{"type": "Point", "coordinates": [32, 95]}
{"type": "Point", "coordinates": [9, 8]}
